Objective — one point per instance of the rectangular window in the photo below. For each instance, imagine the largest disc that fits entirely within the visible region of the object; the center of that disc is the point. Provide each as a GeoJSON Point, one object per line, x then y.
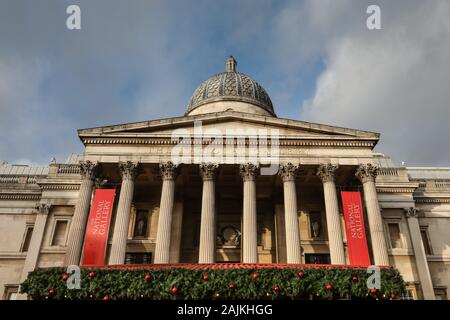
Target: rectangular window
{"type": "Point", "coordinates": [27, 239]}
{"type": "Point", "coordinates": [426, 241]}
{"type": "Point", "coordinates": [59, 234]}
{"type": "Point", "coordinates": [317, 258]}
{"type": "Point", "coordinates": [394, 235]}
{"type": "Point", "coordinates": [138, 258]}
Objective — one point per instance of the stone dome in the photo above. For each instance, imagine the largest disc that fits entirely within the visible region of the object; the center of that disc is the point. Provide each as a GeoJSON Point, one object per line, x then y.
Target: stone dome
{"type": "Point", "coordinates": [230, 90]}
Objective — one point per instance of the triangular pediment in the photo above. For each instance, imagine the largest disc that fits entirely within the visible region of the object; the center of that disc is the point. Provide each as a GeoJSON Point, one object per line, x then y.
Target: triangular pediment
{"type": "Point", "coordinates": [229, 120]}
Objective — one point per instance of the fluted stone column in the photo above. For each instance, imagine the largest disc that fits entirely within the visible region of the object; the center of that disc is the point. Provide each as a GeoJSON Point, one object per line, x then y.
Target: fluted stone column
{"type": "Point", "coordinates": [293, 249]}
{"type": "Point", "coordinates": [248, 173]}
{"type": "Point", "coordinates": [129, 171]}
{"type": "Point", "coordinates": [77, 230]}
{"type": "Point", "coordinates": [162, 250]}
{"type": "Point", "coordinates": [367, 173]}
{"type": "Point", "coordinates": [335, 242]}
{"type": "Point", "coordinates": [420, 256]}
{"type": "Point", "coordinates": [34, 248]}
{"type": "Point", "coordinates": [207, 249]}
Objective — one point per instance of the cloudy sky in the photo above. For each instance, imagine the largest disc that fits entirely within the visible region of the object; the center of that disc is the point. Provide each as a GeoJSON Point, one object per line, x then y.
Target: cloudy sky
{"type": "Point", "coordinates": [138, 60]}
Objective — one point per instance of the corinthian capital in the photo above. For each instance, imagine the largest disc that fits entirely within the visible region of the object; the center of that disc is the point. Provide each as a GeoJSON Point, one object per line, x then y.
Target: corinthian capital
{"type": "Point", "coordinates": [88, 169]}
{"type": "Point", "coordinates": [248, 171]}
{"type": "Point", "coordinates": [366, 172]}
{"type": "Point", "coordinates": [208, 171]}
{"type": "Point", "coordinates": [129, 170]}
{"type": "Point", "coordinates": [411, 212]}
{"type": "Point", "coordinates": [287, 172]}
{"type": "Point", "coordinates": [168, 170]}
{"type": "Point", "coordinates": [43, 208]}
{"type": "Point", "coordinates": [326, 172]}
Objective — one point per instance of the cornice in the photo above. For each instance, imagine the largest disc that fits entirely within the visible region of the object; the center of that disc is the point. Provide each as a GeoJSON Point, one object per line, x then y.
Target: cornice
{"type": "Point", "coordinates": [395, 190]}
{"type": "Point", "coordinates": [431, 200]}
{"type": "Point", "coordinates": [16, 196]}
{"type": "Point", "coordinates": [301, 141]}
{"type": "Point", "coordinates": [13, 255]}
{"type": "Point", "coordinates": [60, 187]}
{"type": "Point", "coordinates": [403, 187]}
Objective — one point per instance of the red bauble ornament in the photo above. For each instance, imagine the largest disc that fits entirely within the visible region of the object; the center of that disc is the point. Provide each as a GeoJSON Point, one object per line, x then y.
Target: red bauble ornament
{"type": "Point", "coordinates": [393, 296]}
{"type": "Point", "coordinates": [91, 274]}
{"type": "Point", "coordinates": [254, 276]}
{"type": "Point", "coordinates": [148, 277]}
{"type": "Point", "coordinates": [231, 285]}
{"type": "Point", "coordinates": [354, 278]}
{"type": "Point", "coordinates": [276, 289]}
{"type": "Point", "coordinates": [65, 276]}
{"type": "Point", "coordinates": [174, 290]}
{"type": "Point", "coordinates": [373, 290]}
{"type": "Point", "coordinates": [205, 277]}
{"type": "Point", "coordinates": [301, 274]}
{"type": "Point", "coordinates": [106, 297]}
{"type": "Point", "coordinates": [52, 292]}
{"type": "Point", "coordinates": [328, 287]}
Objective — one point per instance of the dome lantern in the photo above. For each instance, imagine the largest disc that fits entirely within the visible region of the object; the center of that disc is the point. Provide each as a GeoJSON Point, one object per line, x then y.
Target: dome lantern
{"type": "Point", "coordinates": [230, 64]}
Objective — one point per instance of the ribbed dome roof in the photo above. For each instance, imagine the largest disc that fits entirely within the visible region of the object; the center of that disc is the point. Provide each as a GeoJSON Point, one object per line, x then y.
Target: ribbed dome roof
{"type": "Point", "coordinates": [231, 86]}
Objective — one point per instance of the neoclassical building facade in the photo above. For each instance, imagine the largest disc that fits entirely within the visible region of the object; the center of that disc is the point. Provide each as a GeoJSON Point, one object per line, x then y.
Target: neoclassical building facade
{"type": "Point", "coordinates": [249, 187]}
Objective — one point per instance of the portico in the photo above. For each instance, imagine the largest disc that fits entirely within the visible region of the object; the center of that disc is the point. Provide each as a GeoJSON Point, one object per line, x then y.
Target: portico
{"type": "Point", "coordinates": [213, 212]}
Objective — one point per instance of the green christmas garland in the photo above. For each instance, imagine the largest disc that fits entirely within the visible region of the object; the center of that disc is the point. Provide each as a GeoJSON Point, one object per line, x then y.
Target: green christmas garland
{"type": "Point", "coordinates": [225, 283]}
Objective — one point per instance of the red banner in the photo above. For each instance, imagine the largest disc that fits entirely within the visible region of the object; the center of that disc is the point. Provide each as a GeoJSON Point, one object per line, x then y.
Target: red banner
{"type": "Point", "coordinates": [98, 227]}
{"type": "Point", "coordinates": [354, 228]}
